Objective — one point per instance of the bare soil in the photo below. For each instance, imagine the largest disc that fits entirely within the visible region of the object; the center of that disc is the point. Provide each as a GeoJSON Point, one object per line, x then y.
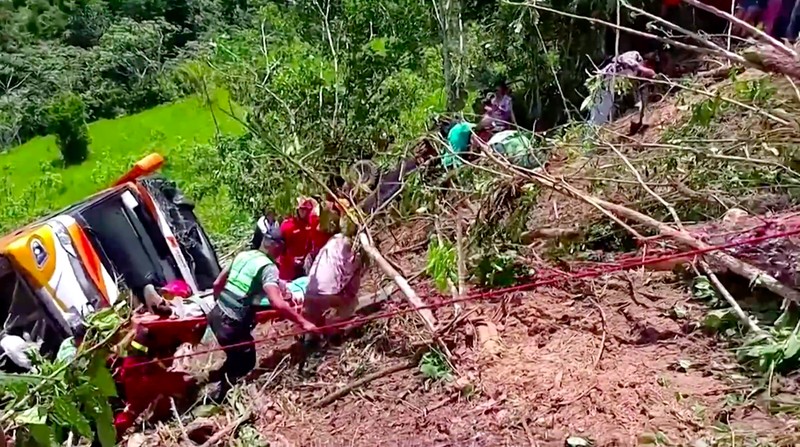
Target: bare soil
{"type": "Point", "coordinates": [602, 364]}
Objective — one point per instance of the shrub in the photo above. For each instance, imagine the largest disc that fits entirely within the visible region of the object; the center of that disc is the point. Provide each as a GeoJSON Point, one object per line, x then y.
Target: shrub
{"type": "Point", "coordinates": [67, 120]}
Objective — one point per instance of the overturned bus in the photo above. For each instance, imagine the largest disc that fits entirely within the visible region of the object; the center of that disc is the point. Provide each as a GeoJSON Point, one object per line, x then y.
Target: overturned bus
{"type": "Point", "coordinates": [139, 231]}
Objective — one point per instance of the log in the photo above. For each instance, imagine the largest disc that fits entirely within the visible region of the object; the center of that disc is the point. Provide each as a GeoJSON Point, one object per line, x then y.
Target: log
{"type": "Point", "coordinates": [750, 272]}
{"type": "Point", "coordinates": [425, 314]}
{"type": "Point", "coordinates": [743, 269]}
{"type": "Point", "coordinates": [743, 317]}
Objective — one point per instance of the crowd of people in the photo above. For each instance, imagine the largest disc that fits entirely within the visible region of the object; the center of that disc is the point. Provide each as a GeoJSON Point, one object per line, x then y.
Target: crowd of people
{"type": "Point", "coordinates": [779, 18]}
{"type": "Point", "coordinates": [300, 267]}
{"type": "Point", "coordinates": [496, 129]}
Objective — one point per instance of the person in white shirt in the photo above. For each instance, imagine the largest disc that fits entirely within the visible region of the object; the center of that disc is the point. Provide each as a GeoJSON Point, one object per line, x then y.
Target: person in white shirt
{"type": "Point", "coordinates": [626, 64]}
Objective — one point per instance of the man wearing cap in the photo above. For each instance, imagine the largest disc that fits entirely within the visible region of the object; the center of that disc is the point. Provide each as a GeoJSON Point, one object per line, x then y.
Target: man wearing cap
{"type": "Point", "coordinates": [298, 232]}
{"type": "Point", "coordinates": [252, 278]}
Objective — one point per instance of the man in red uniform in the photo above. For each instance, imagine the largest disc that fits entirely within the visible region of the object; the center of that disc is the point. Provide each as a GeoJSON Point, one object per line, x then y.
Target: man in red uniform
{"type": "Point", "coordinates": [302, 237]}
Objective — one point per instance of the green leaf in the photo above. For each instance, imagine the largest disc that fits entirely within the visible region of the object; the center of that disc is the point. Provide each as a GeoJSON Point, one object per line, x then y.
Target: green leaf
{"type": "Point", "coordinates": [792, 347]}
{"type": "Point", "coordinates": [66, 412]}
{"type": "Point", "coordinates": [206, 411]}
{"type": "Point", "coordinates": [6, 378]}
{"type": "Point", "coordinates": [428, 370]}
{"type": "Point", "coordinates": [104, 421]}
{"type": "Point", "coordinates": [43, 435]}
{"type": "Point", "coordinates": [31, 416]}
{"type": "Point", "coordinates": [101, 377]}
{"type": "Point", "coordinates": [378, 45]}
{"type": "Point", "coordinates": [719, 319]}
{"type": "Point", "coordinates": [587, 102]}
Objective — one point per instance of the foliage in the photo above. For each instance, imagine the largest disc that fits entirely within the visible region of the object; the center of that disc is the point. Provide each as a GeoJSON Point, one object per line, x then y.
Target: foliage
{"type": "Point", "coordinates": [434, 367]}
{"type": "Point", "coordinates": [498, 269]}
{"type": "Point", "coordinates": [774, 352]}
{"type": "Point", "coordinates": [67, 121]}
{"type": "Point", "coordinates": [702, 289]}
{"type": "Point", "coordinates": [33, 187]}
{"type": "Point", "coordinates": [442, 264]}
{"type": "Point", "coordinates": [70, 394]}
{"type": "Point", "coordinates": [318, 88]}
{"type": "Point", "coordinates": [120, 56]}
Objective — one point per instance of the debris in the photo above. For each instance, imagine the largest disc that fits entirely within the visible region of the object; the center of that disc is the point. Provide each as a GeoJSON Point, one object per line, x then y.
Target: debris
{"type": "Point", "coordinates": [200, 430]}
{"type": "Point", "coordinates": [228, 429]}
{"type": "Point", "coordinates": [137, 440]}
{"type": "Point", "coordinates": [575, 441]}
{"type": "Point", "coordinates": [363, 381]}
{"type": "Point", "coordinates": [425, 314]}
{"type": "Point", "coordinates": [603, 340]}
{"type": "Point", "coordinates": [178, 419]}
{"type": "Point", "coordinates": [747, 321]}
{"type": "Point", "coordinates": [487, 336]}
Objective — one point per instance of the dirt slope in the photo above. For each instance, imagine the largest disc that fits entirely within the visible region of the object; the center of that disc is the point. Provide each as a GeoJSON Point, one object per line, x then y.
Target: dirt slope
{"type": "Point", "coordinates": [537, 384]}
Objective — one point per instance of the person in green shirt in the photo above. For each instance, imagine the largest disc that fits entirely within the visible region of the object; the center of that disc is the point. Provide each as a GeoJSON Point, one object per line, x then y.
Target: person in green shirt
{"type": "Point", "coordinates": [459, 138]}
{"type": "Point", "coordinates": [250, 280]}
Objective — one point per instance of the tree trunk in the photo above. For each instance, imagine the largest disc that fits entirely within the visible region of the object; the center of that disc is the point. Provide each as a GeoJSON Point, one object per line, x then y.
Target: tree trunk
{"type": "Point", "coordinates": [451, 30]}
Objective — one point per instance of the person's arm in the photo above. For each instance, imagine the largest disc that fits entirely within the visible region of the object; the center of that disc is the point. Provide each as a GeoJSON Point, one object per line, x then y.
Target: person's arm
{"type": "Point", "coordinates": [269, 281]}
{"type": "Point", "coordinates": [219, 283]}
{"type": "Point", "coordinates": [645, 72]}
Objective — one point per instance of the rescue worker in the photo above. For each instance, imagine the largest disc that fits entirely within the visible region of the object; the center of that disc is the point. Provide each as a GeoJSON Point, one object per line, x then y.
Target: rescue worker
{"type": "Point", "coordinates": [298, 232]}
{"type": "Point", "coordinates": [250, 277]}
{"type": "Point", "coordinates": [146, 382]}
{"type": "Point", "coordinates": [501, 108]}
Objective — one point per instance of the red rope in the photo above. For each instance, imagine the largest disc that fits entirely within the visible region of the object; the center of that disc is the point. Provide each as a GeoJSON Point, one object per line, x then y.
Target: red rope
{"type": "Point", "coordinates": [554, 278]}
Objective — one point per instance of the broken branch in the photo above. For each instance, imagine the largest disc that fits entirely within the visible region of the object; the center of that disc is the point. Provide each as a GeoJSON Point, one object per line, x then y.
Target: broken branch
{"type": "Point", "coordinates": [729, 298]}
{"type": "Point", "coordinates": [362, 381]}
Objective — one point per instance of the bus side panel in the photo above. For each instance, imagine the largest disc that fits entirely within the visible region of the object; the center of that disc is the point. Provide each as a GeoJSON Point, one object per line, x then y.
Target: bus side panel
{"type": "Point", "coordinates": [50, 263]}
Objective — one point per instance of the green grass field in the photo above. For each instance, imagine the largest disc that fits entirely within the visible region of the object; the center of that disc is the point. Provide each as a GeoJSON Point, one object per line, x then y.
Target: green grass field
{"type": "Point", "coordinates": [35, 183]}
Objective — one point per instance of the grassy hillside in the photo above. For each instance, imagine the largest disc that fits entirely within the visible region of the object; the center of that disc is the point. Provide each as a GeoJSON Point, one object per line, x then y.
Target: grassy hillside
{"type": "Point", "coordinates": [35, 183]}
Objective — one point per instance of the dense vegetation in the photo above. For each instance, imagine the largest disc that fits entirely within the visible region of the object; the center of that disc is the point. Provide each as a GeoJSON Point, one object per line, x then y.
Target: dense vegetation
{"type": "Point", "coordinates": [324, 81]}
{"type": "Point", "coordinates": [117, 56]}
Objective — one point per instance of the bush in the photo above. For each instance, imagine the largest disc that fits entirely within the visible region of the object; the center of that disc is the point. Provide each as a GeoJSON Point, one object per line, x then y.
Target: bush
{"type": "Point", "coordinates": [67, 120]}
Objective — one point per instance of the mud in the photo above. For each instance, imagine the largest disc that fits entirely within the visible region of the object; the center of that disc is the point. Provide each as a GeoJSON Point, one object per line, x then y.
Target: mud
{"type": "Point", "coordinates": [597, 363]}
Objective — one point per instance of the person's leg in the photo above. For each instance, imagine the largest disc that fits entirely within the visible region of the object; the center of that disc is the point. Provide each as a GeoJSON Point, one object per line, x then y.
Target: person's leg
{"type": "Point", "coordinates": [793, 28]}
{"type": "Point", "coordinates": [312, 310]}
{"type": "Point", "coordinates": [345, 308]}
{"type": "Point", "coordinates": [602, 110]}
{"type": "Point", "coordinates": [239, 360]}
{"type": "Point", "coordinates": [772, 22]}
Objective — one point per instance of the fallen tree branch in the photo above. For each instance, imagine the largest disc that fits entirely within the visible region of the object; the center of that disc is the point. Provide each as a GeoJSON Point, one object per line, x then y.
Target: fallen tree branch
{"type": "Point", "coordinates": [702, 50]}
{"type": "Point", "coordinates": [462, 266]}
{"type": "Point", "coordinates": [603, 340]}
{"type": "Point", "coordinates": [177, 415]}
{"type": "Point", "coordinates": [228, 429]}
{"type": "Point", "coordinates": [729, 298]}
{"type": "Point", "coordinates": [697, 37]}
{"type": "Point", "coordinates": [327, 400]}
{"type": "Point", "coordinates": [753, 274]}
{"type": "Point", "coordinates": [402, 283]}
{"type": "Point", "coordinates": [411, 296]}
{"type": "Point", "coordinates": [650, 191]}
{"type": "Point", "coordinates": [741, 23]}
